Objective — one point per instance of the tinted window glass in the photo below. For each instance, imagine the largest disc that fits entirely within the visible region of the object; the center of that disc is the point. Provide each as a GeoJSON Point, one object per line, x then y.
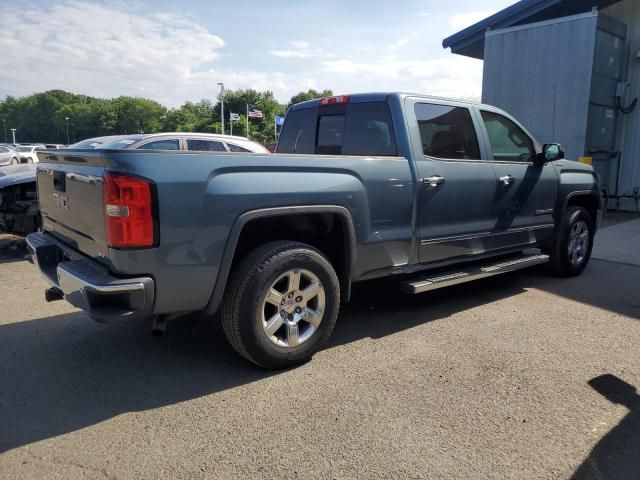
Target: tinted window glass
{"type": "Point", "coordinates": [168, 144]}
{"type": "Point", "coordinates": [354, 129]}
{"type": "Point", "coordinates": [369, 130]}
{"type": "Point", "coordinates": [236, 148]}
{"type": "Point", "coordinates": [330, 134]}
{"type": "Point", "coordinates": [205, 145]}
{"type": "Point", "coordinates": [508, 141]}
{"type": "Point", "coordinates": [298, 132]}
{"type": "Point", "coordinates": [4, 149]}
{"type": "Point", "coordinates": [447, 132]}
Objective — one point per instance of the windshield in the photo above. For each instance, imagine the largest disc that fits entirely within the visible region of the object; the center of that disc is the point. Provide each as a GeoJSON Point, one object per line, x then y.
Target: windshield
{"type": "Point", "coordinates": [122, 142]}
{"type": "Point", "coordinates": [24, 149]}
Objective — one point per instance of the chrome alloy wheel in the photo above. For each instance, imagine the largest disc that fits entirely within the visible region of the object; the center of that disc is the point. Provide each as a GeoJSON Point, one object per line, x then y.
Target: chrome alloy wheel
{"type": "Point", "coordinates": [293, 308]}
{"type": "Point", "coordinates": [578, 245]}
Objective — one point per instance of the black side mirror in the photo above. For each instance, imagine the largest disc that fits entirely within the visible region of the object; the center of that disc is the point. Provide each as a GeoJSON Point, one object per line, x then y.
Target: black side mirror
{"type": "Point", "coordinates": [551, 152]}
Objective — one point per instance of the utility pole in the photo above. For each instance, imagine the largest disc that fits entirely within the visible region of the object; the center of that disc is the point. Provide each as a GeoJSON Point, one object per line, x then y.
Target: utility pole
{"type": "Point", "coordinates": [221, 97]}
{"type": "Point", "coordinates": [66, 119]}
{"type": "Point", "coordinates": [6, 139]}
{"type": "Point", "coordinates": [13, 133]}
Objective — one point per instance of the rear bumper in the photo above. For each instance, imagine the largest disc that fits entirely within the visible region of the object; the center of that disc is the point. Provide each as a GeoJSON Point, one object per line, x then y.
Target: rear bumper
{"type": "Point", "coordinates": [88, 285]}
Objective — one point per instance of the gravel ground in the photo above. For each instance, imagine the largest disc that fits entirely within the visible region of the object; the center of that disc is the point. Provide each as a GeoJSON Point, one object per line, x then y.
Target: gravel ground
{"type": "Point", "coordinates": [520, 376]}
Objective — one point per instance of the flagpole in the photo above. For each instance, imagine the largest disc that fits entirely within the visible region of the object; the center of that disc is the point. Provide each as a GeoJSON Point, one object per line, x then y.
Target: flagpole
{"type": "Point", "coordinates": [247, 119]}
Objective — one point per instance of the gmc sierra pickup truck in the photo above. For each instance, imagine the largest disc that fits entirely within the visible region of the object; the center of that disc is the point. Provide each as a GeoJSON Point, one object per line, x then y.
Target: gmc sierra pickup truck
{"type": "Point", "coordinates": [436, 192]}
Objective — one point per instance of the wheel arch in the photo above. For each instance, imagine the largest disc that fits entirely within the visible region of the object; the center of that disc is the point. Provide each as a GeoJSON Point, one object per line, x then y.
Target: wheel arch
{"type": "Point", "coordinates": [245, 220]}
{"type": "Point", "coordinates": [587, 199]}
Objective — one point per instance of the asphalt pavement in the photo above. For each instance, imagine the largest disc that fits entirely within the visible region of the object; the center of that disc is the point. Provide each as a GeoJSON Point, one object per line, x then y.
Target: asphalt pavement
{"type": "Point", "coordinates": [520, 376]}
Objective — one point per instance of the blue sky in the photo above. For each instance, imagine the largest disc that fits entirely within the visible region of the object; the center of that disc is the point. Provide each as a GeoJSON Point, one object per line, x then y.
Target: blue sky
{"type": "Point", "coordinates": [177, 51]}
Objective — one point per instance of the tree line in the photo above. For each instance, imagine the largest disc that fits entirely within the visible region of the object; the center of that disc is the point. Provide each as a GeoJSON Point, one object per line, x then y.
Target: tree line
{"type": "Point", "coordinates": [47, 117]}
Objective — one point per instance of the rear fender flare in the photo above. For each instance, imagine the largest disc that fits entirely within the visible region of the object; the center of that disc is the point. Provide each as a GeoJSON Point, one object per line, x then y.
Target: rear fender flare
{"type": "Point", "coordinates": [234, 235]}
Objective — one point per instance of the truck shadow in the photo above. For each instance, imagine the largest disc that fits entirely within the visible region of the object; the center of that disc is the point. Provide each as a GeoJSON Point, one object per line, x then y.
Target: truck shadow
{"type": "Point", "coordinates": [64, 373]}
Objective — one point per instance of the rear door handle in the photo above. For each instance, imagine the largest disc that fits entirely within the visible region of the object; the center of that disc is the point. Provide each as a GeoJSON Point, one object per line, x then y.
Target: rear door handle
{"type": "Point", "coordinates": [434, 181]}
{"type": "Point", "coordinates": [507, 179]}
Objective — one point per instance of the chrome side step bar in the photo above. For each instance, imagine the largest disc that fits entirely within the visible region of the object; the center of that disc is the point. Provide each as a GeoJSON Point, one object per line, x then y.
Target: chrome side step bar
{"type": "Point", "coordinates": [471, 273]}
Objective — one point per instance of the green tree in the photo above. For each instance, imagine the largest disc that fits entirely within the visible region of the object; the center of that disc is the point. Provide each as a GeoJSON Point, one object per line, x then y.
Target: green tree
{"type": "Point", "coordinates": [308, 95]}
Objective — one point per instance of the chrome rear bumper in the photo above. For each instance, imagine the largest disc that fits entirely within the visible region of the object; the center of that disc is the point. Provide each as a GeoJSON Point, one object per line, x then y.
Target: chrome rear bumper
{"type": "Point", "coordinates": [88, 285]}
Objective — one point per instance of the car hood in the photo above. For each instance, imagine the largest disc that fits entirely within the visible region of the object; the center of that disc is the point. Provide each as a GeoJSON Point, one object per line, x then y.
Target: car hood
{"type": "Point", "coordinates": [17, 174]}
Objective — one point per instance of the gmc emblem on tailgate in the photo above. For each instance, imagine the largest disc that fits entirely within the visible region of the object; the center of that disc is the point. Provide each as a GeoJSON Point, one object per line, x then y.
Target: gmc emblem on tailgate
{"type": "Point", "coordinates": [61, 201]}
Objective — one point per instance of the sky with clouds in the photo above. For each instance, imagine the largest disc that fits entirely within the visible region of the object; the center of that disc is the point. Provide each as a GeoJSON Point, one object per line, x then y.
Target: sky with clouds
{"type": "Point", "coordinates": [177, 51]}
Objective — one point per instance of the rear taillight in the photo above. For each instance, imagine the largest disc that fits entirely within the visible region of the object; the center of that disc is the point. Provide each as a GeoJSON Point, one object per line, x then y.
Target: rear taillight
{"type": "Point", "coordinates": [128, 210]}
{"type": "Point", "coordinates": [336, 100]}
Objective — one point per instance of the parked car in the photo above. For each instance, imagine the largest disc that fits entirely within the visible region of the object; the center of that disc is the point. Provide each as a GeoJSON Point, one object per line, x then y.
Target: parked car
{"type": "Point", "coordinates": [199, 142]}
{"type": "Point", "coordinates": [18, 203]}
{"type": "Point", "coordinates": [28, 153]}
{"type": "Point", "coordinates": [18, 199]}
{"type": "Point", "coordinates": [95, 141]}
{"type": "Point", "coordinates": [435, 192]}
{"type": "Point", "coordinates": [8, 155]}
{"type": "Point", "coordinates": [54, 146]}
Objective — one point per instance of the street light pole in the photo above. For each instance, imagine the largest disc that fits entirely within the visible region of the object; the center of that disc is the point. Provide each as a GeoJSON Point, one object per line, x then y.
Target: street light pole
{"type": "Point", "coordinates": [222, 104]}
{"type": "Point", "coordinates": [6, 139]}
{"type": "Point", "coordinates": [66, 119]}
{"type": "Point", "coordinates": [13, 133]}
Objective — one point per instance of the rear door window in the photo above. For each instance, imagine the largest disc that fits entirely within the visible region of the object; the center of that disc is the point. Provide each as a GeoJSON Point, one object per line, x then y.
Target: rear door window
{"type": "Point", "coordinates": [167, 144]}
{"type": "Point", "coordinates": [236, 148]}
{"type": "Point", "coordinates": [447, 132]}
{"type": "Point", "coordinates": [352, 129]}
{"type": "Point", "coordinates": [205, 145]}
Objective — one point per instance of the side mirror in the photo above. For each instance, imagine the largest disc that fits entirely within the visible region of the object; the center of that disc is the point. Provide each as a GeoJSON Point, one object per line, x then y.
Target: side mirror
{"type": "Point", "coordinates": [551, 152]}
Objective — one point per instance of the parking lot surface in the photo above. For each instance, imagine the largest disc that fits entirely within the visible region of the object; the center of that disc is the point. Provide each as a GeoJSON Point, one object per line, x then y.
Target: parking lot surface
{"type": "Point", "coordinates": [519, 376]}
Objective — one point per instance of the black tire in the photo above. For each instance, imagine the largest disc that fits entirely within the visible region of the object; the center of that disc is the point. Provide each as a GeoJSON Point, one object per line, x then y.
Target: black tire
{"type": "Point", "coordinates": [560, 262]}
{"type": "Point", "coordinates": [243, 303]}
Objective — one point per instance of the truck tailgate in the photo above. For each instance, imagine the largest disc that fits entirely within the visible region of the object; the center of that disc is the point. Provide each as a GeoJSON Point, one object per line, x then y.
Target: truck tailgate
{"type": "Point", "coordinates": [70, 199]}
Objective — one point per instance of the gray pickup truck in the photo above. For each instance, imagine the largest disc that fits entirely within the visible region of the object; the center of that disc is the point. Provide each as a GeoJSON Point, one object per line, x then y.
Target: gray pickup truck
{"type": "Point", "coordinates": [436, 192]}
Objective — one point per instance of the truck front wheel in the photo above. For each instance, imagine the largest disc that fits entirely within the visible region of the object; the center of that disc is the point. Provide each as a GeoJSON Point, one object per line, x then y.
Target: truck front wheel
{"type": "Point", "coordinates": [281, 304]}
{"type": "Point", "coordinates": [571, 248]}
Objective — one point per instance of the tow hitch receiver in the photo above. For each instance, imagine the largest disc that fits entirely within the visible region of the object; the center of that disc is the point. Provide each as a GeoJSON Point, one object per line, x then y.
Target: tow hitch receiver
{"type": "Point", "coordinates": [52, 294]}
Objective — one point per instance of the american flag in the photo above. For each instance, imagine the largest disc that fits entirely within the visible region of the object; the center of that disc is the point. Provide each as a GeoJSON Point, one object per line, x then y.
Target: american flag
{"type": "Point", "coordinates": [253, 113]}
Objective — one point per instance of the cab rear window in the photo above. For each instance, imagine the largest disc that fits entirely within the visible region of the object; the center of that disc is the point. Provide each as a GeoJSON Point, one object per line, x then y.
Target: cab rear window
{"type": "Point", "coordinates": [352, 129]}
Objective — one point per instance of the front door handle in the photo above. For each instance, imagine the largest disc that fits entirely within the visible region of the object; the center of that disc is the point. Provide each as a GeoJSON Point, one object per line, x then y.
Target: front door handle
{"type": "Point", "coordinates": [434, 181]}
{"type": "Point", "coordinates": [507, 179]}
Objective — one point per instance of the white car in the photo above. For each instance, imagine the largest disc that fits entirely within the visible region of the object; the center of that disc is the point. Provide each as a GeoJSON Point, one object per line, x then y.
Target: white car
{"type": "Point", "coordinates": [201, 142]}
{"type": "Point", "coordinates": [27, 153]}
{"type": "Point", "coordinates": [8, 155]}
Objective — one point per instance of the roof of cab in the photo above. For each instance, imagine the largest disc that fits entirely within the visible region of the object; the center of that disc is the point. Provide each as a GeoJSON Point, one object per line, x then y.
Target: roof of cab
{"type": "Point", "coordinates": [379, 97]}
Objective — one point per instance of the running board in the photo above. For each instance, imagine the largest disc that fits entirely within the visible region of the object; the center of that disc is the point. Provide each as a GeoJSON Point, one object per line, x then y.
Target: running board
{"type": "Point", "coordinates": [471, 273]}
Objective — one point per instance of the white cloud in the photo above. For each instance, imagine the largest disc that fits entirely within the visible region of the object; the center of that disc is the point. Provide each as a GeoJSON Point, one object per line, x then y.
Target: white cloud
{"type": "Point", "coordinates": [450, 76]}
{"type": "Point", "coordinates": [114, 49]}
{"type": "Point", "coordinates": [464, 20]}
{"type": "Point", "coordinates": [290, 54]}
{"type": "Point", "coordinates": [400, 43]}
{"type": "Point", "coordinates": [300, 44]}
{"type": "Point", "coordinates": [298, 49]}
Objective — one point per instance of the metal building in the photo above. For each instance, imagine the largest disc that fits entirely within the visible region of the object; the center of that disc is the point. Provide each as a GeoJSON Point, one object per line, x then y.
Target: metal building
{"type": "Point", "coordinates": [570, 71]}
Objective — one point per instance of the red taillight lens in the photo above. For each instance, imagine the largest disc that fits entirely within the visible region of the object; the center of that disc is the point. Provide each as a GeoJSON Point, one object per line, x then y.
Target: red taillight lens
{"type": "Point", "coordinates": [128, 210]}
{"type": "Point", "coordinates": [337, 100]}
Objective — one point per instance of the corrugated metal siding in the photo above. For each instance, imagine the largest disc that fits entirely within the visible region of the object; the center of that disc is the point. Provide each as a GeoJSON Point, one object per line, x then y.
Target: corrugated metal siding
{"type": "Point", "coordinates": [552, 62]}
{"type": "Point", "coordinates": [628, 142]}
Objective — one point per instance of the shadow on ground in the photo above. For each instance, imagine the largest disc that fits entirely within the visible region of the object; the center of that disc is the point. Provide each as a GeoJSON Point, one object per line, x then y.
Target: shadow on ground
{"type": "Point", "coordinates": [617, 454]}
{"type": "Point", "coordinates": [63, 373]}
{"type": "Point", "coordinates": [12, 250]}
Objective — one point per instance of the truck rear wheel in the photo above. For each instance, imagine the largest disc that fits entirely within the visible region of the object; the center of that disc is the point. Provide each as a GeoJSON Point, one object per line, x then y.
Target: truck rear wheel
{"type": "Point", "coordinates": [281, 304]}
{"type": "Point", "coordinates": [571, 249]}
